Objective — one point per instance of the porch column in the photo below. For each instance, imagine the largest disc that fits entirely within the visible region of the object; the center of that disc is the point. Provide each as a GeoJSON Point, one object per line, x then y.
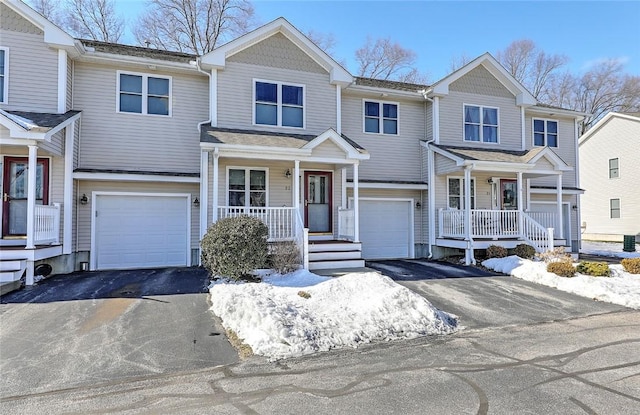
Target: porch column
{"type": "Point", "coordinates": [528, 185]}
{"type": "Point", "coordinates": [467, 215]}
{"type": "Point", "coordinates": [67, 237]}
{"type": "Point", "coordinates": [356, 204]}
{"type": "Point", "coordinates": [520, 204]}
{"type": "Point", "coordinates": [204, 192]}
{"type": "Point", "coordinates": [31, 196]}
{"type": "Point", "coordinates": [559, 232]}
{"type": "Point", "coordinates": [343, 176]}
{"type": "Point", "coordinates": [296, 185]}
{"type": "Point", "coordinates": [214, 187]}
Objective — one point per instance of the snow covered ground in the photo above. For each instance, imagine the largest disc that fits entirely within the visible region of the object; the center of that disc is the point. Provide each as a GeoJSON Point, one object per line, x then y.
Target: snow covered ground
{"type": "Point", "coordinates": [275, 319]}
{"type": "Point", "coordinates": [621, 288]}
{"type": "Point", "coordinates": [608, 249]}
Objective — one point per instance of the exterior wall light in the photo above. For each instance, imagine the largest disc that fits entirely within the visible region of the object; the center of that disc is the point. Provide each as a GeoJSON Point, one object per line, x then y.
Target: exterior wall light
{"type": "Point", "coordinates": [196, 202]}
{"type": "Point", "coordinates": [418, 205]}
{"type": "Point", "coordinates": [84, 199]}
{"type": "Point", "coordinates": [287, 174]}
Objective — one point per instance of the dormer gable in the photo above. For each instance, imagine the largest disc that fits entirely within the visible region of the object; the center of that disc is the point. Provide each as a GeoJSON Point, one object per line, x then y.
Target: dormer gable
{"type": "Point", "coordinates": [282, 30]}
{"type": "Point", "coordinates": [482, 67]}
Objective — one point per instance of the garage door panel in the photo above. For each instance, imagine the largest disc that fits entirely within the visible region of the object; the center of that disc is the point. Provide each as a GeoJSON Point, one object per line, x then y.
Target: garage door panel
{"type": "Point", "coordinates": [385, 228]}
{"type": "Point", "coordinates": [141, 231]}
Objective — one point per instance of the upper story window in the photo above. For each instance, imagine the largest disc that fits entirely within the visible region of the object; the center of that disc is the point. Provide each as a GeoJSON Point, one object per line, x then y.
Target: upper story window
{"type": "Point", "coordinates": [279, 104]}
{"type": "Point", "coordinates": [380, 117]}
{"type": "Point", "coordinates": [545, 133]}
{"type": "Point", "coordinates": [4, 75]}
{"type": "Point", "coordinates": [480, 124]}
{"type": "Point", "coordinates": [144, 94]}
{"type": "Point", "coordinates": [614, 170]}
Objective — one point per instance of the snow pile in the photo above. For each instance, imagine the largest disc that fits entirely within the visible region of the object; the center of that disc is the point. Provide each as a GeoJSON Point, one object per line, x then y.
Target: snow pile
{"type": "Point", "coordinates": [621, 288]}
{"type": "Point", "coordinates": [612, 249]}
{"type": "Point", "coordinates": [350, 310]}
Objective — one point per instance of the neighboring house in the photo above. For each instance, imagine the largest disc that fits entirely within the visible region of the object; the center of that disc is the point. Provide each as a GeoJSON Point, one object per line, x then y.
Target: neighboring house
{"type": "Point", "coordinates": [133, 152]}
{"type": "Point", "coordinates": [609, 157]}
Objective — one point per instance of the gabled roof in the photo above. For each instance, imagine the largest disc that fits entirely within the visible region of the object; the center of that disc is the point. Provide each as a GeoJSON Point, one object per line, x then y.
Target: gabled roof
{"type": "Point", "coordinates": [217, 58]}
{"type": "Point", "coordinates": [603, 121]}
{"type": "Point", "coordinates": [53, 35]}
{"type": "Point", "coordinates": [470, 155]}
{"type": "Point", "coordinates": [138, 51]}
{"type": "Point", "coordinates": [36, 125]}
{"type": "Point", "coordinates": [523, 97]}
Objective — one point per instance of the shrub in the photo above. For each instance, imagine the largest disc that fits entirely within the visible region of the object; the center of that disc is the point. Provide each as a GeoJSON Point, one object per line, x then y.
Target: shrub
{"type": "Point", "coordinates": [234, 247]}
{"type": "Point", "coordinates": [304, 294]}
{"type": "Point", "coordinates": [495, 251]}
{"type": "Point", "coordinates": [562, 268]}
{"type": "Point", "coordinates": [595, 269]}
{"type": "Point", "coordinates": [524, 251]}
{"type": "Point", "coordinates": [631, 265]}
{"type": "Point", "coordinates": [555, 255]}
{"type": "Point", "coordinates": [285, 257]}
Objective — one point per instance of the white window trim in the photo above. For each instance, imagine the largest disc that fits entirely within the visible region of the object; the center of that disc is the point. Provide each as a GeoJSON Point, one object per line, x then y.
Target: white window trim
{"type": "Point", "coordinates": [481, 124]}
{"type": "Point", "coordinates": [247, 178]}
{"type": "Point", "coordinates": [4, 99]}
{"type": "Point", "coordinates": [609, 166]}
{"type": "Point", "coordinates": [546, 141]}
{"type": "Point", "coordinates": [279, 104]}
{"type": "Point", "coordinates": [619, 207]}
{"type": "Point", "coordinates": [145, 94]}
{"type": "Point", "coordinates": [381, 118]}
{"type": "Point", "coordinates": [461, 179]}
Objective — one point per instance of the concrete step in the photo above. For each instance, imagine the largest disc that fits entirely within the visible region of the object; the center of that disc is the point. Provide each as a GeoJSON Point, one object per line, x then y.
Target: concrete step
{"type": "Point", "coordinates": [334, 255]}
{"type": "Point", "coordinates": [350, 263]}
{"type": "Point", "coordinates": [334, 246]}
{"type": "Point", "coordinates": [12, 264]}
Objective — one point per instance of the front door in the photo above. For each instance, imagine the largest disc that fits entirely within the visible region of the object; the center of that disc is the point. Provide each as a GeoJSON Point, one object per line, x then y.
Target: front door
{"type": "Point", "coordinates": [509, 194]}
{"type": "Point", "coordinates": [14, 197]}
{"type": "Point", "coordinates": [318, 203]}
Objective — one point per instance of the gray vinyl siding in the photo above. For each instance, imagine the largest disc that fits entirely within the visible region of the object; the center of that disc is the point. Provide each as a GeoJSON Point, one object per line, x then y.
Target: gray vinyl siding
{"type": "Point", "coordinates": [69, 89]}
{"type": "Point", "coordinates": [235, 97]}
{"type": "Point", "coordinates": [112, 140]}
{"type": "Point", "coordinates": [32, 72]}
{"type": "Point", "coordinates": [328, 150]}
{"type": "Point", "coordinates": [84, 211]}
{"type": "Point", "coordinates": [444, 165]}
{"type": "Point", "coordinates": [480, 81]}
{"type": "Point", "coordinates": [566, 150]}
{"type": "Point", "coordinates": [393, 157]}
{"type": "Point", "coordinates": [56, 145]}
{"type": "Point", "coordinates": [617, 138]}
{"type": "Point", "coordinates": [452, 120]}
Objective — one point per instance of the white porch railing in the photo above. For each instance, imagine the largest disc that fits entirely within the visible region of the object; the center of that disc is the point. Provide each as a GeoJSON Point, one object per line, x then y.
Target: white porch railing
{"type": "Point", "coordinates": [495, 224]}
{"type": "Point", "coordinates": [284, 223]}
{"type": "Point", "coordinates": [346, 224]}
{"type": "Point", "coordinates": [47, 224]}
{"type": "Point", "coordinates": [546, 219]}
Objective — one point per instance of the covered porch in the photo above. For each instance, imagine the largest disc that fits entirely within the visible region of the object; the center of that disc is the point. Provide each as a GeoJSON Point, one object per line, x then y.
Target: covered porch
{"type": "Point", "coordinates": [296, 184]}
{"type": "Point", "coordinates": [483, 197]}
{"type": "Point", "coordinates": [37, 189]}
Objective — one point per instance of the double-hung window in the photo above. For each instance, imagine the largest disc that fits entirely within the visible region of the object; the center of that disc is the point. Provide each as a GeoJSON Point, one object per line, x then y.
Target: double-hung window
{"type": "Point", "coordinates": [614, 208]}
{"type": "Point", "coordinates": [279, 104]}
{"type": "Point", "coordinates": [455, 190]}
{"type": "Point", "coordinates": [247, 187]}
{"type": "Point", "coordinates": [480, 124]}
{"type": "Point", "coordinates": [380, 117]}
{"type": "Point", "coordinates": [4, 75]}
{"type": "Point", "coordinates": [614, 169]}
{"type": "Point", "coordinates": [545, 133]}
{"type": "Point", "coordinates": [144, 94]}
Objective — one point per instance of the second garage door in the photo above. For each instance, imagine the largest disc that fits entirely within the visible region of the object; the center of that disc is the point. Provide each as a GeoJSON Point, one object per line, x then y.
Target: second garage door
{"type": "Point", "coordinates": [141, 231]}
{"type": "Point", "coordinates": [386, 228]}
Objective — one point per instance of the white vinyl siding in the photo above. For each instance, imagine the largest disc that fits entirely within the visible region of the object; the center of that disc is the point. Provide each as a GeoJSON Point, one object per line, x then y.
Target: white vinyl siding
{"type": "Point", "coordinates": [122, 141]}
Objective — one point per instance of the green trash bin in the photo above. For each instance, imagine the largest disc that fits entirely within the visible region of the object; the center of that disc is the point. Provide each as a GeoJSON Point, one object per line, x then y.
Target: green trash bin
{"type": "Point", "coordinates": [629, 243]}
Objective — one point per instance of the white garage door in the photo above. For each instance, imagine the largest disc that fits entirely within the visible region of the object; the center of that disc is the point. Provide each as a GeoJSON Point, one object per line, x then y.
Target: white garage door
{"type": "Point", "coordinates": [141, 231]}
{"type": "Point", "coordinates": [386, 228]}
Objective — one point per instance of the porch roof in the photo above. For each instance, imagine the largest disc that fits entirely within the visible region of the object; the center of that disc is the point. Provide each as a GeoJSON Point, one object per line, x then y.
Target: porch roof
{"type": "Point", "coordinates": [494, 155]}
{"type": "Point", "coordinates": [35, 125]}
{"type": "Point", "coordinates": [229, 136]}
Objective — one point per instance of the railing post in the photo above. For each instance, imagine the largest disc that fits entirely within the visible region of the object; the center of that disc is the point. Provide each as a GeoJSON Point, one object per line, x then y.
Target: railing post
{"type": "Point", "coordinates": [440, 218]}
{"type": "Point", "coordinates": [305, 248]}
{"type": "Point", "coordinates": [550, 235]}
{"type": "Point", "coordinates": [56, 223]}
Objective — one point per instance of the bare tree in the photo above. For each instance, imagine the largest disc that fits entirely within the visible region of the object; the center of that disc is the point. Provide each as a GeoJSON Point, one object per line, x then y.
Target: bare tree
{"type": "Point", "coordinates": [193, 26]}
{"type": "Point", "coordinates": [325, 41]}
{"type": "Point", "coordinates": [94, 19]}
{"type": "Point", "coordinates": [384, 59]}
{"type": "Point", "coordinates": [531, 66]}
{"type": "Point", "coordinates": [48, 8]}
{"type": "Point", "coordinates": [458, 62]}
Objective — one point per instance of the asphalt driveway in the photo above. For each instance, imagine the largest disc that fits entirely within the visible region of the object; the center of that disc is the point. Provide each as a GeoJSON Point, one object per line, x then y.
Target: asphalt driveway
{"type": "Point", "coordinates": [86, 328]}
{"type": "Point", "coordinates": [485, 299]}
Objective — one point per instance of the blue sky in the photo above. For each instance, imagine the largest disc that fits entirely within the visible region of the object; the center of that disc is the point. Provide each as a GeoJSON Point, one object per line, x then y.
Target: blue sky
{"type": "Point", "coordinates": [585, 31]}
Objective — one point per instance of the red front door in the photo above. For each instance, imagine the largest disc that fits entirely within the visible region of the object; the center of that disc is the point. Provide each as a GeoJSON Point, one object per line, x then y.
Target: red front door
{"type": "Point", "coordinates": [14, 197]}
{"type": "Point", "coordinates": [318, 202]}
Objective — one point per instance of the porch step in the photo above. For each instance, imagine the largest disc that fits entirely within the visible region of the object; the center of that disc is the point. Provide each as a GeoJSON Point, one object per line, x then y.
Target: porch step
{"type": "Point", "coordinates": [333, 246]}
{"type": "Point", "coordinates": [12, 270]}
{"type": "Point", "coordinates": [334, 255]}
{"type": "Point", "coordinates": [347, 263]}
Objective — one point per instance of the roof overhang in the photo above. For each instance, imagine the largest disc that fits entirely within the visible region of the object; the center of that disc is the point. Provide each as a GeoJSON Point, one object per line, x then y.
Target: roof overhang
{"type": "Point", "coordinates": [90, 55]}
{"type": "Point", "coordinates": [386, 93]}
{"type": "Point", "coordinates": [19, 130]}
{"type": "Point", "coordinates": [550, 111]}
{"type": "Point", "coordinates": [217, 58]}
{"type": "Point", "coordinates": [604, 120]}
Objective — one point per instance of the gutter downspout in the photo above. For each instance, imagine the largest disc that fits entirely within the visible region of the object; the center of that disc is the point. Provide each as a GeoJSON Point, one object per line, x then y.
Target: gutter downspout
{"type": "Point", "coordinates": [430, 170]}
{"type": "Point", "coordinates": [200, 124]}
